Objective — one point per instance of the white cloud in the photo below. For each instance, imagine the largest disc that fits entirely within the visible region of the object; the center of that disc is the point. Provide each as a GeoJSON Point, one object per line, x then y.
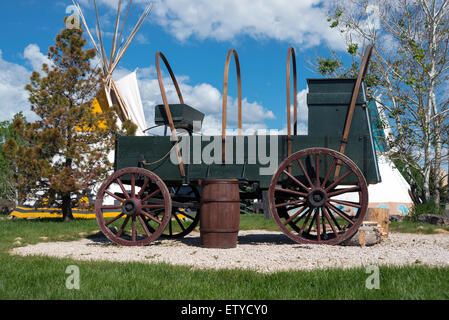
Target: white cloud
{"type": "Point", "coordinates": [14, 97]}
{"type": "Point", "coordinates": [303, 114]}
{"type": "Point", "coordinates": [35, 57]}
{"type": "Point", "coordinates": [300, 22]}
{"type": "Point", "coordinates": [203, 97]}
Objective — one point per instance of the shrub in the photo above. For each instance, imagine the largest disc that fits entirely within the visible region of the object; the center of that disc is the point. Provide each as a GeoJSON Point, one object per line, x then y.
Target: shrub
{"type": "Point", "coordinates": [428, 207]}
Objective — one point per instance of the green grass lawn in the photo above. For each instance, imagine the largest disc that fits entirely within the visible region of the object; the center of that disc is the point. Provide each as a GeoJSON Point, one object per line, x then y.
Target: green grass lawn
{"type": "Point", "coordinates": [44, 277]}
{"type": "Point", "coordinates": [415, 227]}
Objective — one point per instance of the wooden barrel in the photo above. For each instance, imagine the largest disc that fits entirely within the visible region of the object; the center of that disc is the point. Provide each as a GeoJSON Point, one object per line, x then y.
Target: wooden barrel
{"type": "Point", "coordinates": [220, 213]}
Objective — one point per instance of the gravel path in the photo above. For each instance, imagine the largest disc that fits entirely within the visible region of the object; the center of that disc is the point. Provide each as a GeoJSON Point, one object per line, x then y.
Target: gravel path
{"type": "Point", "coordinates": [261, 251]}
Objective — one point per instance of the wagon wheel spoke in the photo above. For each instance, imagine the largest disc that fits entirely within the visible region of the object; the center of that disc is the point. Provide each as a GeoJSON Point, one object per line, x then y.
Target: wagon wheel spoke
{"type": "Point", "coordinates": [296, 214]}
{"type": "Point", "coordinates": [144, 225]}
{"type": "Point", "coordinates": [181, 194]}
{"type": "Point", "coordinates": [333, 218]}
{"type": "Point", "coordinates": [122, 228]}
{"type": "Point", "coordinates": [295, 180]}
{"type": "Point", "coordinates": [296, 206]}
{"type": "Point", "coordinates": [142, 189]}
{"type": "Point", "coordinates": [311, 221]}
{"type": "Point", "coordinates": [336, 182]}
{"type": "Point", "coordinates": [344, 190]}
{"type": "Point", "coordinates": [170, 228]}
{"type": "Point", "coordinates": [304, 214]}
{"type": "Point", "coordinates": [133, 226]}
{"type": "Point", "coordinates": [326, 178]}
{"type": "Point", "coordinates": [341, 214]}
{"type": "Point", "coordinates": [302, 194]}
{"type": "Point", "coordinates": [110, 207]}
{"type": "Point", "coordinates": [123, 188]}
{"type": "Point", "coordinates": [308, 215]}
{"type": "Point", "coordinates": [326, 214]}
{"type": "Point", "coordinates": [305, 172]}
{"type": "Point", "coordinates": [151, 217]}
{"type": "Point", "coordinates": [346, 203]}
{"type": "Point", "coordinates": [133, 185]}
{"type": "Point", "coordinates": [318, 229]}
{"type": "Point", "coordinates": [317, 169]}
{"type": "Point", "coordinates": [323, 223]}
{"type": "Point", "coordinates": [187, 216]}
{"type": "Point", "coordinates": [151, 195]}
{"type": "Point", "coordinates": [114, 196]}
{"type": "Point", "coordinates": [146, 221]}
{"type": "Point", "coordinates": [179, 222]}
{"type": "Point", "coordinates": [290, 203]}
{"type": "Point", "coordinates": [114, 219]}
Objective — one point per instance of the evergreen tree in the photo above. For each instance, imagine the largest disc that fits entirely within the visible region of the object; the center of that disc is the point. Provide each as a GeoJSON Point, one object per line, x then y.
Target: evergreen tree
{"type": "Point", "coordinates": [66, 150]}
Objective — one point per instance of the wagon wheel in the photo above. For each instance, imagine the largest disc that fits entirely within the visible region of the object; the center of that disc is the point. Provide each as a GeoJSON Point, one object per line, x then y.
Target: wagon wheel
{"type": "Point", "coordinates": [126, 215]}
{"type": "Point", "coordinates": [305, 199]}
{"type": "Point", "coordinates": [183, 220]}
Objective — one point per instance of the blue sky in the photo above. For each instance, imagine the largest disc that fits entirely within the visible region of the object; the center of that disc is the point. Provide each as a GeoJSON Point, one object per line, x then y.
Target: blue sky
{"type": "Point", "coordinates": [195, 37]}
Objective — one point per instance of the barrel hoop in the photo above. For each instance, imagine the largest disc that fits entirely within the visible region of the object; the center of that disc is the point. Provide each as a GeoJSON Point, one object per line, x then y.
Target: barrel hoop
{"type": "Point", "coordinates": [227, 201]}
{"type": "Point", "coordinates": [220, 182]}
{"type": "Point", "coordinates": [219, 230]}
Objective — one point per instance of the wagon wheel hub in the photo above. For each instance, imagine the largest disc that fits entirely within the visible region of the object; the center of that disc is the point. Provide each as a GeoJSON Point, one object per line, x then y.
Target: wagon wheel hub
{"type": "Point", "coordinates": [317, 198]}
{"type": "Point", "coordinates": [130, 207]}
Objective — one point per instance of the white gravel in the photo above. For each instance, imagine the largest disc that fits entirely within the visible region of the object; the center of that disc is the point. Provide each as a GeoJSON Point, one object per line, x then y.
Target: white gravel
{"type": "Point", "coordinates": [261, 251]}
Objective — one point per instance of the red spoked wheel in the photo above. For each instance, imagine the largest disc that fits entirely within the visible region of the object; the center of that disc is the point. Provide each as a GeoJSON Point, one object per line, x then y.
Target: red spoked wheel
{"type": "Point", "coordinates": [133, 207]}
{"type": "Point", "coordinates": [184, 218]}
{"type": "Point", "coordinates": [307, 198]}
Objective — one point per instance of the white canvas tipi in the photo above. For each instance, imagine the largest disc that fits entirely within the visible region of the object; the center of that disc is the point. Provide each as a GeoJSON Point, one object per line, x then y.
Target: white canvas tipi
{"type": "Point", "coordinates": [124, 92]}
{"type": "Point", "coordinates": [393, 192]}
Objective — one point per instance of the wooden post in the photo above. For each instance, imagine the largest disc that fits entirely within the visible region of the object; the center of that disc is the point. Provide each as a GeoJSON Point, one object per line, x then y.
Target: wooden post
{"type": "Point", "coordinates": [381, 216]}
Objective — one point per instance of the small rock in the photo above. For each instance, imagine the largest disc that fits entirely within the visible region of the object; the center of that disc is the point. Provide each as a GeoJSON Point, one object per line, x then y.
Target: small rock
{"type": "Point", "coordinates": [43, 238]}
{"type": "Point", "coordinates": [435, 219]}
{"type": "Point", "coordinates": [18, 239]}
{"type": "Point", "coordinates": [82, 234]}
{"type": "Point", "coordinates": [396, 218]}
{"type": "Point", "coordinates": [441, 231]}
{"type": "Point", "coordinates": [446, 213]}
{"type": "Point", "coordinates": [420, 228]}
{"type": "Point", "coordinates": [17, 243]}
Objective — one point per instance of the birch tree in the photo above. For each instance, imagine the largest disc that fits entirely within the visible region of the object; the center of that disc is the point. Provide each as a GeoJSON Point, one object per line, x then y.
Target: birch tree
{"type": "Point", "coordinates": [409, 75]}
